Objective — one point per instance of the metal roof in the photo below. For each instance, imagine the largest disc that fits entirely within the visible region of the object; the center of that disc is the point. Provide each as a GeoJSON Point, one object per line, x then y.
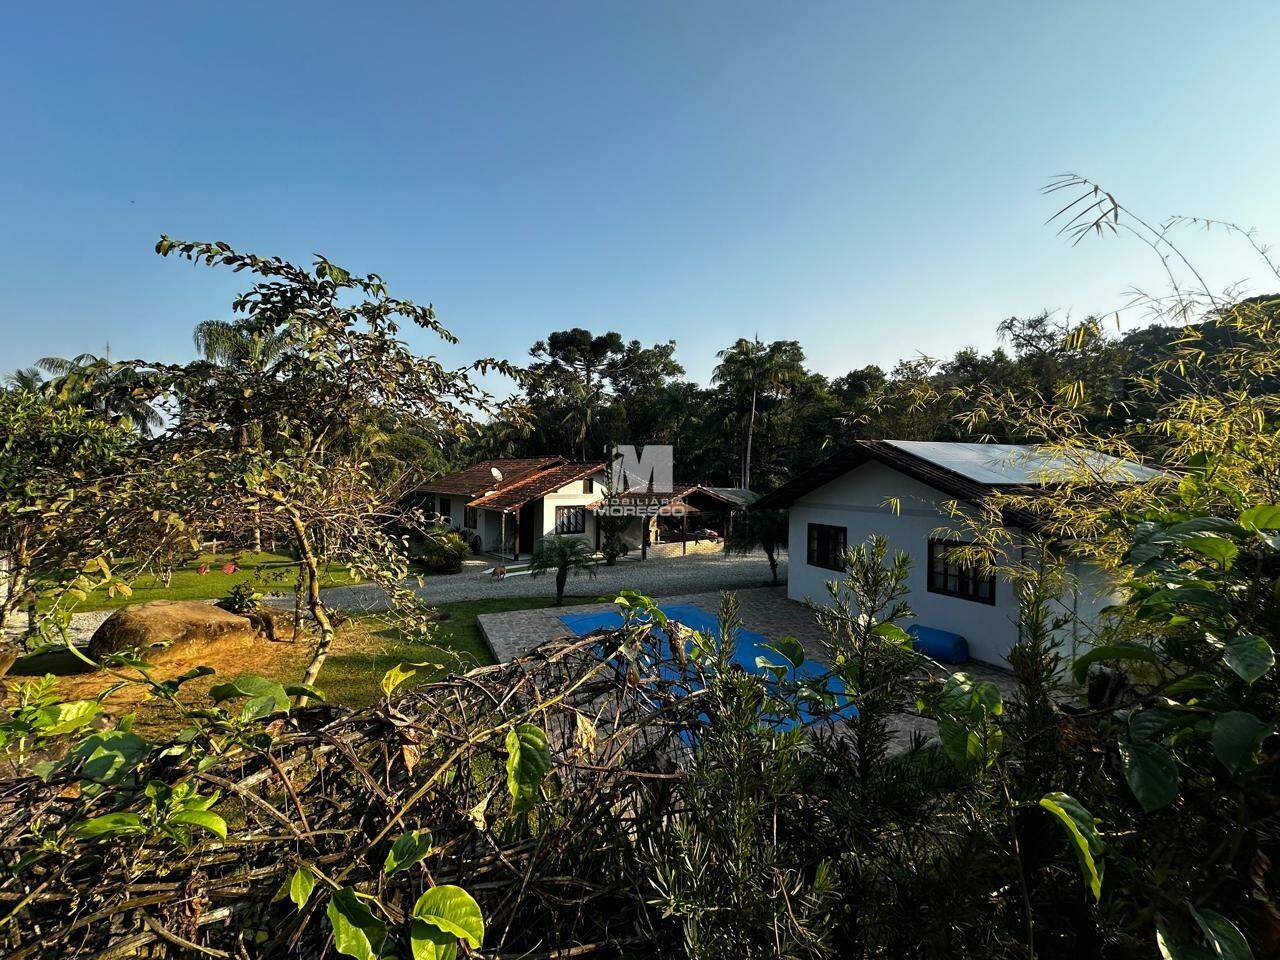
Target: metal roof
{"type": "Point", "coordinates": [1011, 464]}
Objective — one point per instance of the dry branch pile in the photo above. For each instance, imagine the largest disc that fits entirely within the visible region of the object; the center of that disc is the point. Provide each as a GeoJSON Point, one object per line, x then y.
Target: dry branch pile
{"type": "Point", "coordinates": [332, 790]}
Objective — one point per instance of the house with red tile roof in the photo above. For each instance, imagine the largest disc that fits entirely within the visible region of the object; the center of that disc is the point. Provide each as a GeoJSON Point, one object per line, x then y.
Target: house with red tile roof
{"type": "Point", "coordinates": [506, 506]}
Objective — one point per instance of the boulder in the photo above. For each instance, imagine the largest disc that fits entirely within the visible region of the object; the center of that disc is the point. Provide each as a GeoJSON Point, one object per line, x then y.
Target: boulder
{"type": "Point", "coordinates": [166, 630]}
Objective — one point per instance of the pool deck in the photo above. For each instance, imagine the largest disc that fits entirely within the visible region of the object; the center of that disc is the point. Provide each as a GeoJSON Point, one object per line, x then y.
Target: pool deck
{"type": "Point", "coordinates": [764, 610]}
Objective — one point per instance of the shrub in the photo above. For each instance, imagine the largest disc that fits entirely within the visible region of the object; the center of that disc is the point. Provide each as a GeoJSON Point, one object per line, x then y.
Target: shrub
{"type": "Point", "coordinates": [443, 552]}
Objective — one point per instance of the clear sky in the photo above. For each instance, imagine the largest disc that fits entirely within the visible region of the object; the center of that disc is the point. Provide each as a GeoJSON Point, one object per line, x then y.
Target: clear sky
{"type": "Point", "coordinates": [861, 177]}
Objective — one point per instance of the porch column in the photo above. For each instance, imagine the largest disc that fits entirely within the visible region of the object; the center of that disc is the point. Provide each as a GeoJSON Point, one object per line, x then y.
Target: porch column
{"type": "Point", "coordinates": [684, 533]}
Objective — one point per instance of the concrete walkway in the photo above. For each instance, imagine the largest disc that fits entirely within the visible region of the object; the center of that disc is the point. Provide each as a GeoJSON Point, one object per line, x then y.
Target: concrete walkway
{"type": "Point", "coordinates": [654, 577]}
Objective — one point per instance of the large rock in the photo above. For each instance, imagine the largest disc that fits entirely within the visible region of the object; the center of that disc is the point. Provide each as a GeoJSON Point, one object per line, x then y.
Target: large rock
{"type": "Point", "coordinates": [167, 630]}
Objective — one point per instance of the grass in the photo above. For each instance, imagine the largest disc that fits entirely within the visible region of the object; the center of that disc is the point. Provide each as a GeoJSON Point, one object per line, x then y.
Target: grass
{"type": "Point", "coordinates": [266, 572]}
{"type": "Point", "coordinates": [365, 647]}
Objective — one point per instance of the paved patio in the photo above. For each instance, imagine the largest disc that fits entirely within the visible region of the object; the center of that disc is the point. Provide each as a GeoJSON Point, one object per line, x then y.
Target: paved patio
{"type": "Point", "coordinates": [764, 610]}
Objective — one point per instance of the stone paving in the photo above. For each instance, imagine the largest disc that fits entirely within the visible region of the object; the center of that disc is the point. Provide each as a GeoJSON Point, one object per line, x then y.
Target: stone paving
{"type": "Point", "coordinates": [764, 610]}
{"type": "Point", "coordinates": [654, 577]}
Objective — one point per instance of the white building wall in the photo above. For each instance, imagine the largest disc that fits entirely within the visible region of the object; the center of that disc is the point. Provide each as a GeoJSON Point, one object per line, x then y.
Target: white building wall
{"type": "Point", "coordinates": [571, 495]}
{"type": "Point", "coordinates": [859, 501]}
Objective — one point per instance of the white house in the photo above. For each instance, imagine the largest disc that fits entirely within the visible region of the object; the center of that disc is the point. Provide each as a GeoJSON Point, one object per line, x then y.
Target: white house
{"type": "Point", "coordinates": [903, 491]}
{"type": "Point", "coordinates": [510, 504]}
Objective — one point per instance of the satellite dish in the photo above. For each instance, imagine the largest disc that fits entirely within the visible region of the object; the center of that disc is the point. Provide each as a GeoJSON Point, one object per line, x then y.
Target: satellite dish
{"type": "Point", "coordinates": [497, 474]}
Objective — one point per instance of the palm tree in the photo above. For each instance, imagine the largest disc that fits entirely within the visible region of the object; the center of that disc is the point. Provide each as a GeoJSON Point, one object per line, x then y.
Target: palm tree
{"type": "Point", "coordinates": [28, 378]}
{"type": "Point", "coordinates": [115, 392]}
{"type": "Point", "coordinates": [751, 370]}
{"type": "Point", "coordinates": [563, 555]}
{"type": "Point", "coordinates": [234, 345]}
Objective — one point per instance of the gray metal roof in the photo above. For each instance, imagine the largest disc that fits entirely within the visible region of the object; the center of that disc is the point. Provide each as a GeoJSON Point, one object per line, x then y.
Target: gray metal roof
{"type": "Point", "coordinates": [1010, 464]}
{"type": "Point", "coordinates": [738, 494]}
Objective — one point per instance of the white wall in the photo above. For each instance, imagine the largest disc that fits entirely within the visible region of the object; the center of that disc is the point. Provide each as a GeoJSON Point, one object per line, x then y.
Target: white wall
{"type": "Point", "coordinates": [571, 495]}
{"type": "Point", "coordinates": [857, 502]}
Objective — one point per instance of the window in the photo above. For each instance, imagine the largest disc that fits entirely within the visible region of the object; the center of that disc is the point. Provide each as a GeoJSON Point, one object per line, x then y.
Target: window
{"type": "Point", "coordinates": [571, 519]}
{"type": "Point", "coordinates": [470, 518]}
{"type": "Point", "coordinates": [588, 485]}
{"type": "Point", "coordinates": [446, 507]}
{"type": "Point", "coordinates": [947, 576]}
{"type": "Point", "coordinates": [826, 546]}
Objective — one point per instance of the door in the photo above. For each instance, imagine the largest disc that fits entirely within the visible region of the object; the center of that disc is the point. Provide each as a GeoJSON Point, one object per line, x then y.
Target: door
{"type": "Point", "coordinates": [529, 526]}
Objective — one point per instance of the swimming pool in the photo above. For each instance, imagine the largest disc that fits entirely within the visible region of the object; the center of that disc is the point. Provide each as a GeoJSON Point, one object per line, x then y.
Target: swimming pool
{"type": "Point", "coordinates": [748, 649]}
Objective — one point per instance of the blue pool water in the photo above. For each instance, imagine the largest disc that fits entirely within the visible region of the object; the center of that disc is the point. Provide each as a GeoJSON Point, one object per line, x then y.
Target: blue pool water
{"type": "Point", "coordinates": [747, 646]}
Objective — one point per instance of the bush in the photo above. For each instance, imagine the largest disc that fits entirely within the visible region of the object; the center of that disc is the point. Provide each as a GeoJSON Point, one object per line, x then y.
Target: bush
{"type": "Point", "coordinates": [443, 552]}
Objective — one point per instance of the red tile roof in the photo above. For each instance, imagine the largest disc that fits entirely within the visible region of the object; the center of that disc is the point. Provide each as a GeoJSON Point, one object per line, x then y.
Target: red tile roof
{"type": "Point", "coordinates": [512, 496]}
{"type": "Point", "coordinates": [478, 478]}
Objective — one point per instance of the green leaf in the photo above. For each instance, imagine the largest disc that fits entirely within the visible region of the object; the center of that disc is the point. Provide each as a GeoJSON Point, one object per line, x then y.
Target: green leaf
{"type": "Point", "coordinates": [356, 931]}
{"type": "Point", "coordinates": [1111, 654]}
{"type": "Point", "coordinates": [528, 760]}
{"type": "Point", "coordinates": [1249, 656]}
{"type": "Point", "coordinates": [788, 647]}
{"type": "Point", "coordinates": [1179, 951]}
{"type": "Point", "coordinates": [1265, 516]}
{"type": "Point", "coordinates": [59, 718]}
{"type": "Point", "coordinates": [265, 696]}
{"type": "Point", "coordinates": [1150, 772]}
{"type": "Point", "coordinates": [1237, 737]}
{"type": "Point", "coordinates": [1079, 823]}
{"type": "Point", "coordinates": [1224, 937]}
{"type": "Point", "coordinates": [448, 910]}
{"type": "Point", "coordinates": [111, 755]}
{"type": "Point", "coordinates": [203, 819]}
{"type": "Point", "coordinates": [1215, 548]}
{"type": "Point", "coordinates": [406, 851]}
{"type": "Point", "coordinates": [304, 690]}
{"type": "Point", "coordinates": [403, 672]}
{"type": "Point", "coordinates": [109, 824]}
{"type": "Point", "coordinates": [301, 884]}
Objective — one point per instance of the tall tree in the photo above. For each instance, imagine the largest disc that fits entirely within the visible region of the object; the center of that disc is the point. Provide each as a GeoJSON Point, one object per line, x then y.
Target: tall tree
{"type": "Point", "coordinates": [751, 371]}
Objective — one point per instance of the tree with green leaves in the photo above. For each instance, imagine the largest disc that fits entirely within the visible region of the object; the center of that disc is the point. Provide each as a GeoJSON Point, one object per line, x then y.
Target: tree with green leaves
{"type": "Point", "coordinates": [61, 471]}
{"type": "Point", "coordinates": [562, 555]}
{"type": "Point", "coordinates": [752, 372]}
{"type": "Point", "coordinates": [318, 358]}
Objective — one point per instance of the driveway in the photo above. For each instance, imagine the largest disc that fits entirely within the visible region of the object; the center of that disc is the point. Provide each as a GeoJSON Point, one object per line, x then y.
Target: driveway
{"type": "Point", "coordinates": [655, 577]}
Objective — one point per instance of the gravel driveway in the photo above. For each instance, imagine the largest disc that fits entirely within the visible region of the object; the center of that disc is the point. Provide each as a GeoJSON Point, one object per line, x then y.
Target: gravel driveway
{"type": "Point", "coordinates": [658, 578]}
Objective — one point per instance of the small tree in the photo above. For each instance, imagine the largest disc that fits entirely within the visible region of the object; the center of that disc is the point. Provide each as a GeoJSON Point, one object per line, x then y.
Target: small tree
{"type": "Point", "coordinates": [56, 462]}
{"type": "Point", "coordinates": [285, 441]}
{"type": "Point", "coordinates": [564, 555]}
{"type": "Point", "coordinates": [612, 544]}
{"type": "Point", "coordinates": [754, 530]}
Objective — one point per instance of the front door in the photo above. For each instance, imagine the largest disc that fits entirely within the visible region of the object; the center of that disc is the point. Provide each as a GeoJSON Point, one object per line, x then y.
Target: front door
{"type": "Point", "coordinates": [529, 527]}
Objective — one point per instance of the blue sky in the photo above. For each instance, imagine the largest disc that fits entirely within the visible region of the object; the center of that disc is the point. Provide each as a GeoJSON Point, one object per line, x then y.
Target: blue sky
{"type": "Point", "coordinates": [860, 177]}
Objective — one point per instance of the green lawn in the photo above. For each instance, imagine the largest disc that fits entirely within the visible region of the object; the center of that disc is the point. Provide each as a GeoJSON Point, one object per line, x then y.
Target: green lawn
{"type": "Point", "coordinates": [267, 572]}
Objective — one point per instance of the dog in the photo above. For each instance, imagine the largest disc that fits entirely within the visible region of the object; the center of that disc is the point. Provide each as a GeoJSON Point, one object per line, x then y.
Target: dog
{"type": "Point", "coordinates": [497, 573]}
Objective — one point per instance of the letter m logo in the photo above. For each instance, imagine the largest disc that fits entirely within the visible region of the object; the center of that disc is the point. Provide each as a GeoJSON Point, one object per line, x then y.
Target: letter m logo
{"type": "Point", "coordinates": [651, 471]}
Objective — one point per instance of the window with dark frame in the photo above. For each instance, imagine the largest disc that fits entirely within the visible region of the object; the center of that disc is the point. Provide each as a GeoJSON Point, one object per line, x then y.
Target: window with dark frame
{"type": "Point", "coordinates": [446, 507]}
{"type": "Point", "coordinates": [588, 485]}
{"type": "Point", "coordinates": [571, 519]}
{"type": "Point", "coordinates": [827, 545]}
{"type": "Point", "coordinates": [949, 577]}
{"type": "Point", "coordinates": [471, 518]}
